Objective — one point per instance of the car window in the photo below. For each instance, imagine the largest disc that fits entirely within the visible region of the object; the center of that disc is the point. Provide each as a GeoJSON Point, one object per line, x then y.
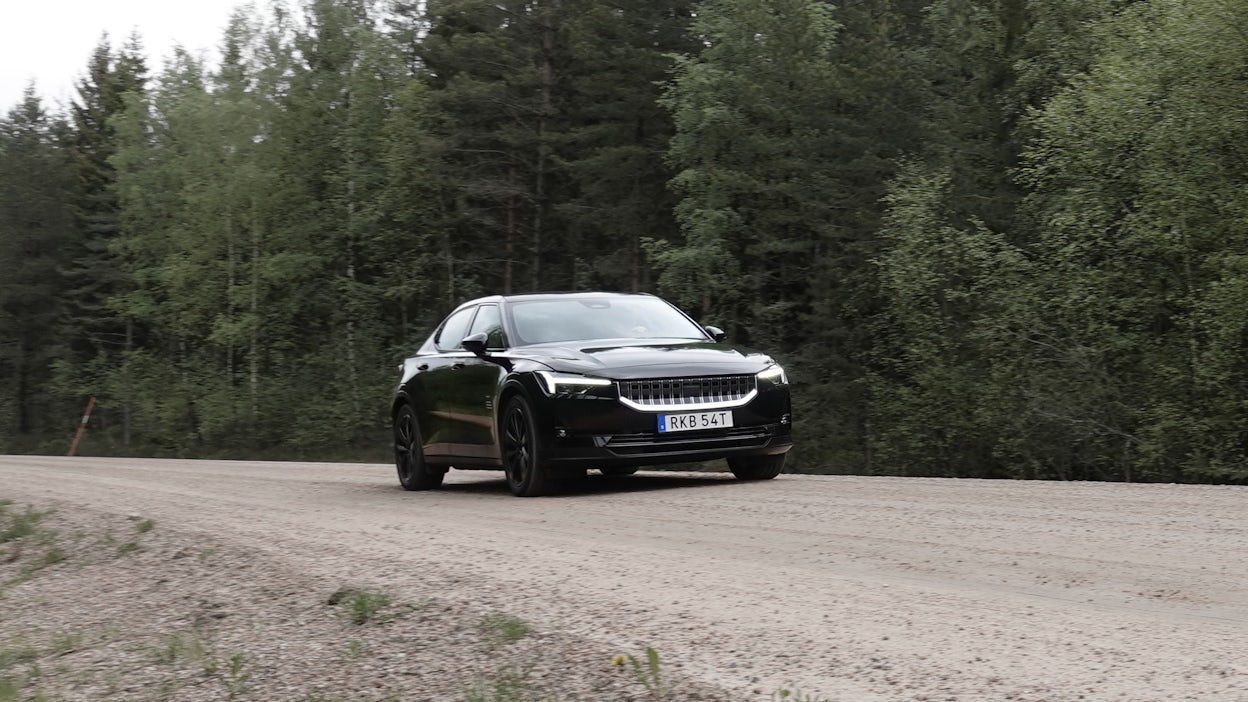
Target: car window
{"type": "Point", "coordinates": [489, 320]}
{"type": "Point", "coordinates": [454, 329]}
{"type": "Point", "coordinates": [566, 319]}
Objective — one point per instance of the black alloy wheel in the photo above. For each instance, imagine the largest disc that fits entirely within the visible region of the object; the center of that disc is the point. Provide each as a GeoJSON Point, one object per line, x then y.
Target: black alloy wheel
{"type": "Point", "coordinates": [415, 473]}
{"type": "Point", "coordinates": [756, 467]}
{"type": "Point", "coordinates": [526, 476]}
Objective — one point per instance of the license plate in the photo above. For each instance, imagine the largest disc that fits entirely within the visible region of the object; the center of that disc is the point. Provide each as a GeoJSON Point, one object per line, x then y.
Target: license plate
{"type": "Point", "coordinates": [694, 420]}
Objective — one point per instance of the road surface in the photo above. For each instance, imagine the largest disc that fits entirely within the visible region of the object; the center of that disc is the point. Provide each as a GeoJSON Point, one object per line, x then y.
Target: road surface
{"type": "Point", "coordinates": [851, 588]}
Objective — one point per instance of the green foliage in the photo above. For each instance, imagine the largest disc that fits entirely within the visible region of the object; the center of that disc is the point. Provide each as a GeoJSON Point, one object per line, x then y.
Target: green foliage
{"type": "Point", "coordinates": [506, 685]}
{"type": "Point", "coordinates": [988, 238]}
{"type": "Point", "coordinates": [362, 606]}
{"type": "Point", "coordinates": [787, 695]}
{"type": "Point", "coordinates": [19, 525]}
{"type": "Point", "coordinates": [503, 628]}
{"type": "Point", "coordinates": [1142, 219]}
{"type": "Point", "coordinates": [650, 674]}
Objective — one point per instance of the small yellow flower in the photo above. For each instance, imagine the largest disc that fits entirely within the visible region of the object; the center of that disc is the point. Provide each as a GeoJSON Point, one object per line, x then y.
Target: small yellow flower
{"type": "Point", "coordinates": [618, 659]}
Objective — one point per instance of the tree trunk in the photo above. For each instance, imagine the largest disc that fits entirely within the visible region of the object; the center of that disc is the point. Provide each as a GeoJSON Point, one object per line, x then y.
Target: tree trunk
{"type": "Point", "coordinates": [253, 356]}
{"type": "Point", "coordinates": [539, 211]}
{"type": "Point", "coordinates": [126, 397]}
{"type": "Point", "coordinates": [511, 231]}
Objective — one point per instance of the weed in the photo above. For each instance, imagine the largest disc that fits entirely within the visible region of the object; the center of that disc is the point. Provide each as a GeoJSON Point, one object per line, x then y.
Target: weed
{"type": "Point", "coordinates": [18, 526]}
{"type": "Point", "coordinates": [647, 673]}
{"type": "Point", "coordinates": [388, 697]}
{"type": "Point", "coordinates": [362, 605]}
{"type": "Point", "coordinates": [168, 689]}
{"type": "Point", "coordinates": [128, 548]}
{"type": "Point", "coordinates": [52, 556]}
{"type": "Point", "coordinates": [15, 654]}
{"type": "Point", "coordinates": [64, 643]}
{"type": "Point", "coordinates": [786, 695]}
{"type": "Point", "coordinates": [145, 526]}
{"type": "Point", "coordinates": [236, 676]}
{"type": "Point", "coordinates": [191, 649]}
{"type": "Point", "coordinates": [507, 685]}
{"type": "Point", "coordinates": [355, 649]}
{"type": "Point", "coordinates": [503, 628]}
{"type": "Point", "coordinates": [9, 690]}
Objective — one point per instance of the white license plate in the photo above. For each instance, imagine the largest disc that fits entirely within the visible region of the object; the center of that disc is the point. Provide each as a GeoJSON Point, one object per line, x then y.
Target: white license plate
{"type": "Point", "coordinates": [694, 420]}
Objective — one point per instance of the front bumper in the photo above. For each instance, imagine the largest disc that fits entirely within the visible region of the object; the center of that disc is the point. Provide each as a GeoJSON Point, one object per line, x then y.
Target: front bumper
{"type": "Point", "coordinates": [583, 431]}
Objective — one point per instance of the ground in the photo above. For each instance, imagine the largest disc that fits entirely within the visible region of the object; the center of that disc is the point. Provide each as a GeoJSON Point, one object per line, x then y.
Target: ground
{"type": "Point", "coordinates": [200, 580]}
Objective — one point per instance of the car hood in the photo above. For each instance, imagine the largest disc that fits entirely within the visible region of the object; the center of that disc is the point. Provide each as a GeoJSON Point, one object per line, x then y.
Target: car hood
{"type": "Point", "coordinates": [624, 360]}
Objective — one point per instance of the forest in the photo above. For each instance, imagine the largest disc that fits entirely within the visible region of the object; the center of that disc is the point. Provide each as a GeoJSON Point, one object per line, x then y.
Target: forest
{"type": "Point", "coordinates": [988, 238]}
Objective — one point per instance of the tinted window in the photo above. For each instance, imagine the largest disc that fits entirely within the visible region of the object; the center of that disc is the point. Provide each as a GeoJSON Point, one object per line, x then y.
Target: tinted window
{"type": "Point", "coordinates": [455, 329]}
{"type": "Point", "coordinates": [576, 319]}
{"type": "Point", "coordinates": [489, 320]}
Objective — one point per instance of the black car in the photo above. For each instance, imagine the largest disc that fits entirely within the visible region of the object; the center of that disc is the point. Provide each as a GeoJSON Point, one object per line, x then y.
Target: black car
{"type": "Point", "coordinates": [546, 386]}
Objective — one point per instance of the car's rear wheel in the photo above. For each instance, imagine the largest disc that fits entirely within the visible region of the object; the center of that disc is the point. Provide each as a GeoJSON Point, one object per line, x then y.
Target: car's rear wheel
{"type": "Point", "coordinates": [526, 476]}
{"type": "Point", "coordinates": [756, 467]}
{"type": "Point", "coordinates": [617, 471]}
{"type": "Point", "coordinates": [415, 473]}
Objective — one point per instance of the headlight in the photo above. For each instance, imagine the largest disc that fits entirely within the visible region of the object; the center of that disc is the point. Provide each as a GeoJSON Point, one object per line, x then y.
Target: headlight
{"type": "Point", "coordinates": [552, 382]}
{"type": "Point", "coordinates": [775, 374]}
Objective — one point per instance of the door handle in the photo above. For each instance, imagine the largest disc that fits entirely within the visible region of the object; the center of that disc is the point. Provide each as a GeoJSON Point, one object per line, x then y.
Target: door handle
{"type": "Point", "coordinates": [423, 367]}
{"type": "Point", "coordinates": [457, 366]}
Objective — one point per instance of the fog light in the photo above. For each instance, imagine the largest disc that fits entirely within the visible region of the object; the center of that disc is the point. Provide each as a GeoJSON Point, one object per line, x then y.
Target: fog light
{"type": "Point", "coordinates": [786, 418]}
{"type": "Point", "coordinates": [561, 433]}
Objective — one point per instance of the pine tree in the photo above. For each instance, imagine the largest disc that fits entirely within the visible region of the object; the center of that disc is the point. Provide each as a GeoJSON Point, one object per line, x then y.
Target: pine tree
{"type": "Point", "coordinates": [36, 226]}
{"type": "Point", "coordinates": [96, 274]}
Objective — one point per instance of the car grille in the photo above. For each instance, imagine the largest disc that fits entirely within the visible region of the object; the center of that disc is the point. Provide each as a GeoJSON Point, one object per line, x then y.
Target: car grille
{"type": "Point", "coordinates": [707, 391]}
{"type": "Point", "coordinates": [649, 442]}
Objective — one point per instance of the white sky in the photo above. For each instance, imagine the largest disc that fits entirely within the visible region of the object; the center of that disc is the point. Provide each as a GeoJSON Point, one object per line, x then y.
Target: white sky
{"type": "Point", "coordinates": [52, 40]}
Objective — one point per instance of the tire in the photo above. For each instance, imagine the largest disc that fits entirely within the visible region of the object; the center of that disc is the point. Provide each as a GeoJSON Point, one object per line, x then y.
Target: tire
{"type": "Point", "coordinates": [756, 467]}
{"type": "Point", "coordinates": [617, 472]}
{"type": "Point", "coordinates": [526, 475]}
{"type": "Point", "coordinates": [415, 473]}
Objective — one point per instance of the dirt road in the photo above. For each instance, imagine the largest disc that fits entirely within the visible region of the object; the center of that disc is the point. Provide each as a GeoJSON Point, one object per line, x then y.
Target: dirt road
{"type": "Point", "coordinates": [849, 588]}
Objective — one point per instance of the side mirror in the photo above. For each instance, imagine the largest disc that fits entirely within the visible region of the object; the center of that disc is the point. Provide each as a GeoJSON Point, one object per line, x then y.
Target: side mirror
{"type": "Point", "coordinates": [475, 343]}
{"type": "Point", "coordinates": [715, 332]}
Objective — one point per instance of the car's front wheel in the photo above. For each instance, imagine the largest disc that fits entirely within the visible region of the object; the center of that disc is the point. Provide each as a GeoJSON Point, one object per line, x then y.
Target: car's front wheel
{"type": "Point", "coordinates": [756, 467]}
{"type": "Point", "coordinates": [415, 473]}
{"type": "Point", "coordinates": [526, 476]}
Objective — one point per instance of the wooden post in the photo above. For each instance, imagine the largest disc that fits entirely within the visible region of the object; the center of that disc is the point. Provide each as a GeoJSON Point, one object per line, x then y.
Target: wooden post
{"type": "Point", "coordinates": [82, 427]}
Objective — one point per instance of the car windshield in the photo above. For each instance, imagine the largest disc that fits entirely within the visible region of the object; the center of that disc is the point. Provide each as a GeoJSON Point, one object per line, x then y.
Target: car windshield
{"type": "Point", "coordinates": [582, 319]}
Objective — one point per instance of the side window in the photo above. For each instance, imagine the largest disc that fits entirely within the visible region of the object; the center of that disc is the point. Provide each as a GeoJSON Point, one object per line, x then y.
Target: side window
{"type": "Point", "coordinates": [454, 329]}
{"type": "Point", "coordinates": [489, 321]}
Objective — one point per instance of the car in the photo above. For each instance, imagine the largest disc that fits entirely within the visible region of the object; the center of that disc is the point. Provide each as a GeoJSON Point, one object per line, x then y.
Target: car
{"type": "Point", "coordinates": [547, 386]}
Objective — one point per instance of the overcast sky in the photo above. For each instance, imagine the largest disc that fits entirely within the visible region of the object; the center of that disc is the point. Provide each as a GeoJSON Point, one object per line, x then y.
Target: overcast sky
{"type": "Point", "coordinates": [51, 40]}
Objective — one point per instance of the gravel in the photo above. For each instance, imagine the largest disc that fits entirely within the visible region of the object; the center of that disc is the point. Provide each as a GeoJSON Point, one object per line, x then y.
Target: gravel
{"type": "Point", "coordinates": [850, 589]}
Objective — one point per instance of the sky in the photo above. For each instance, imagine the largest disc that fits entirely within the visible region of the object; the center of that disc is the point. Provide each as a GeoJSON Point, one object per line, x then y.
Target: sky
{"type": "Point", "coordinates": [52, 40]}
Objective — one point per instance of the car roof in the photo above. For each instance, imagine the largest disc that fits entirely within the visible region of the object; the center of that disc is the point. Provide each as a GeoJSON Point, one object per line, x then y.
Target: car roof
{"type": "Point", "coordinates": [551, 296]}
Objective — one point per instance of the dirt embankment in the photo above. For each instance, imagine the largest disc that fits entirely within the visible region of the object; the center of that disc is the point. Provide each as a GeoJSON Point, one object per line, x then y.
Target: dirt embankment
{"type": "Point", "coordinates": [195, 580]}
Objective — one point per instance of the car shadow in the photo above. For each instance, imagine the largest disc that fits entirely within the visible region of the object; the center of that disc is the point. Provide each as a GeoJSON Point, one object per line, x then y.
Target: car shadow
{"type": "Point", "coordinates": [595, 484]}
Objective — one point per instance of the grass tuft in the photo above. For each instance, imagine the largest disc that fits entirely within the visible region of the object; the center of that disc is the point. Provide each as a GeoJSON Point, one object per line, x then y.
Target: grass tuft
{"type": "Point", "coordinates": [506, 685]}
{"type": "Point", "coordinates": [503, 628]}
{"type": "Point", "coordinates": [362, 606]}
{"type": "Point", "coordinates": [784, 694]}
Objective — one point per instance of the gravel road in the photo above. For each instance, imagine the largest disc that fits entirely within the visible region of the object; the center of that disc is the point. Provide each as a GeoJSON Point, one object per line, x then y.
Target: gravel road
{"type": "Point", "coordinates": [850, 589]}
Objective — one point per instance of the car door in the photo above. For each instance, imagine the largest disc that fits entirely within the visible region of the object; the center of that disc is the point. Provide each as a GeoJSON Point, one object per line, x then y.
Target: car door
{"type": "Point", "coordinates": [479, 380]}
{"type": "Point", "coordinates": [438, 386]}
